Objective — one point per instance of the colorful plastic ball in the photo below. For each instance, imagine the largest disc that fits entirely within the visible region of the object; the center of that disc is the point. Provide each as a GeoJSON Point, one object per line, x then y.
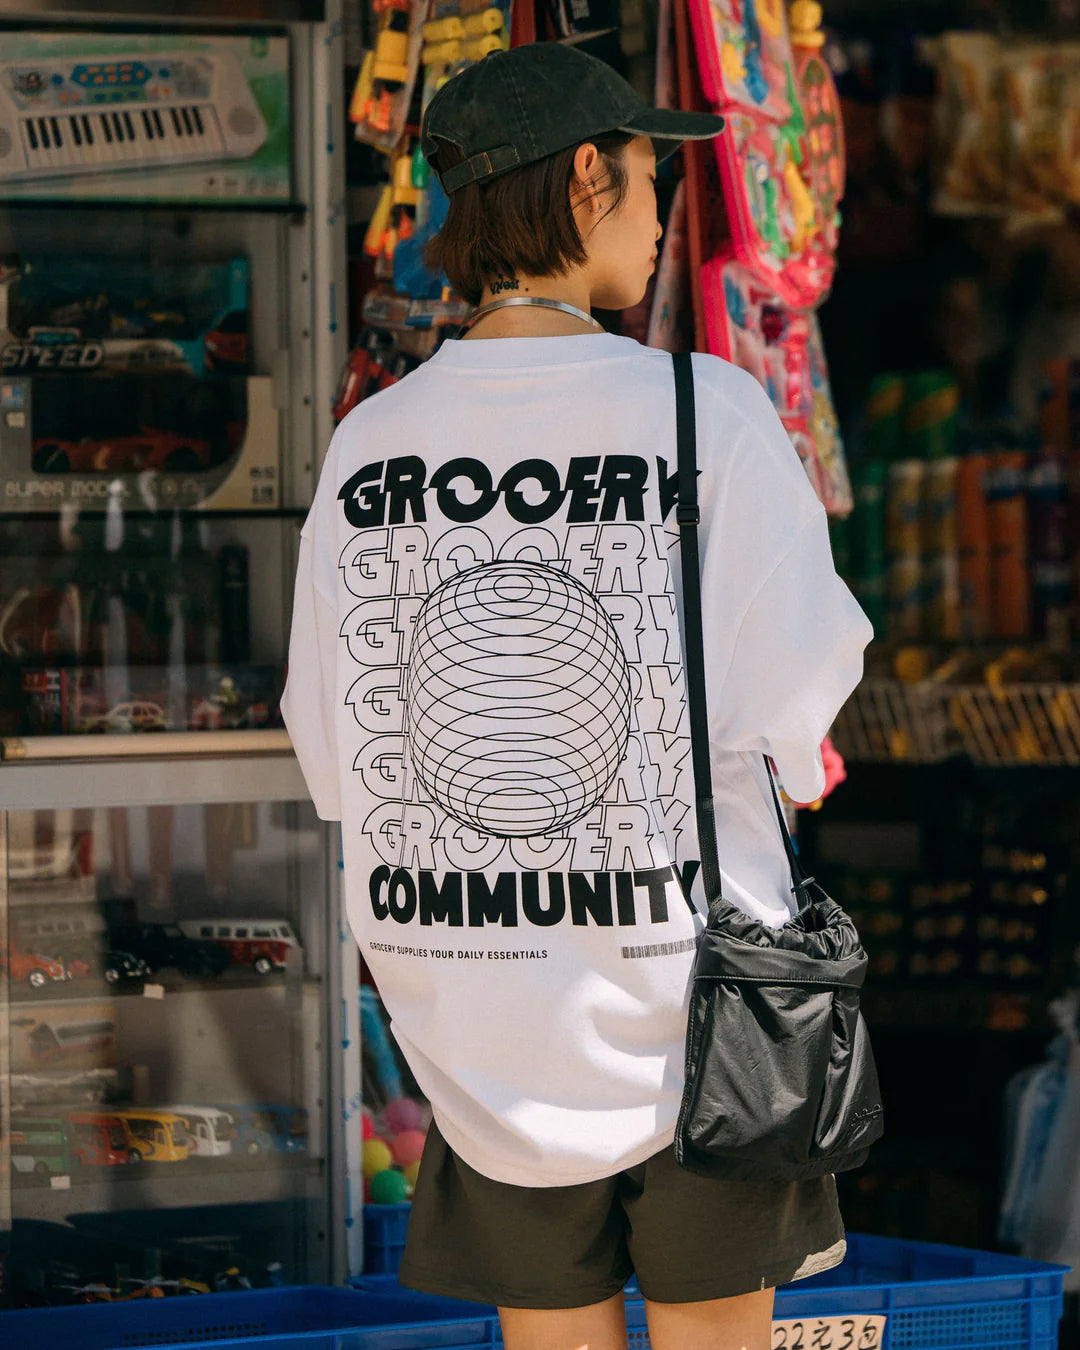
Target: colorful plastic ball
{"type": "Point", "coordinates": [407, 1146]}
{"type": "Point", "coordinates": [403, 1114]}
{"type": "Point", "coordinates": [367, 1125]}
{"type": "Point", "coordinates": [389, 1188]}
{"type": "Point", "coordinates": [411, 1172]}
{"type": "Point", "coordinates": [377, 1157]}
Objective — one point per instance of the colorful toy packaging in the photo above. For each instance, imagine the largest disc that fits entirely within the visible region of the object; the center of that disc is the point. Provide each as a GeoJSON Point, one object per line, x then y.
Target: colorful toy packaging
{"type": "Point", "coordinates": [781, 163]}
{"type": "Point", "coordinates": [380, 103]}
{"type": "Point", "coordinates": [743, 54]}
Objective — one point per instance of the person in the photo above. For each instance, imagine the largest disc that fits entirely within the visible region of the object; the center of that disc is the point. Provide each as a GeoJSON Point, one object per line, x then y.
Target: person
{"type": "Point", "coordinates": [486, 687]}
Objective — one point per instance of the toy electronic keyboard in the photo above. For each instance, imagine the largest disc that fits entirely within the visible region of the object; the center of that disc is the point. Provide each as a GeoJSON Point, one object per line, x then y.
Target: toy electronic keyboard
{"type": "Point", "coordinates": [72, 116]}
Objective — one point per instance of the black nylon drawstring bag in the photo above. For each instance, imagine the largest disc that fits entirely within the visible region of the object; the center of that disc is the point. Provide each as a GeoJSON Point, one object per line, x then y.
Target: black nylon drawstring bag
{"type": "Point", "coordinates": [780, 1078]}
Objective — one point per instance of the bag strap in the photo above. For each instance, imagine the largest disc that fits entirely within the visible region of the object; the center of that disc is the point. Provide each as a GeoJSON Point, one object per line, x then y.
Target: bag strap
{"type": "Point", "coordinates": [688, 515]}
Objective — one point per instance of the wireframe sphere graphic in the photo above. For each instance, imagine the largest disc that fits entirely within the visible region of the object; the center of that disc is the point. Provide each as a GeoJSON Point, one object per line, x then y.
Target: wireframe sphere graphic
{"type": "Point", "coordinates": [518, 699]}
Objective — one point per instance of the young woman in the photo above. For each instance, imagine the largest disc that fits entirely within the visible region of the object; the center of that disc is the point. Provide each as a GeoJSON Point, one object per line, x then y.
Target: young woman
{"type": "Point", "coordinates": [486, 687]}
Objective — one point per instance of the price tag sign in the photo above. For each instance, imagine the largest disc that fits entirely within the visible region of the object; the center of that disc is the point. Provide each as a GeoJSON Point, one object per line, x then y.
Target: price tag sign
{"type": "Point", "coordinates": [829, 1333]}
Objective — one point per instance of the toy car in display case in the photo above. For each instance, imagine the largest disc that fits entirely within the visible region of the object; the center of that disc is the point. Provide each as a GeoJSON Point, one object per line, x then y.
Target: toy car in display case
{"type": "Point", "coordinates": [39, 1145]}
{"type": "Point", "coordinates": [210, 1130]}
{"type": "Point", "coordinates": [226, 346]}
{"type": "Point", "coordinates": [135, 715]}
{"type": "Point", "coordinates": [268, 1127]}
{"type": "Point", "coordinates": [117, 968]}
{"type": "Point", "coordinates": [35, 969]}
{"type": "Point", "coordinates": [97, 1139]}
{"type": "Point", "coordinates": [149, 448]}
{"type": "Point", "coordinates": [164, 945]}
{"type": "Point", "coordinates": [262, 944]}
{"type": "Point", "coordinates": [157, 1136]}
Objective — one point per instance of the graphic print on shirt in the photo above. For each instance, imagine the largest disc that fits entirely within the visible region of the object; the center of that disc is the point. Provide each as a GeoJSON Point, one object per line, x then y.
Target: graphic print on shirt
{"type": "Point", "coordinates": [521, 730]}
{"type": "Point", "coordinates": [518, 699]}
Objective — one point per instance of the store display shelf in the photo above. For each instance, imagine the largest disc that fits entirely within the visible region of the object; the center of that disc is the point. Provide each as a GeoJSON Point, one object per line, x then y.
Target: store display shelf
{"type": "Point", "coordinates": [150, 769]}
{"type": "Point", "coordinates": [253, 206]}
{"type": "Point", "coordinates": [889, 721]}
{"type": "Point", "coordinates": [886, 721]}
{"type": "Point", "coordinates": [298, 513]}
{"type": "Point", "coordinates": [953, 1007]}
{"type": "Point", "coordinates": [164, 984]}
{"type": "Point", "coordinates": [168, 1185]}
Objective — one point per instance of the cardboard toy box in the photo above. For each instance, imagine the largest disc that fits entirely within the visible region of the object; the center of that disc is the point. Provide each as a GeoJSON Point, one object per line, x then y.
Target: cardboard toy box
{"type": "Point", "coordinates": [57, 1035]}
{"type": "Point", "coordinates": [138, 442]}
{"type": "Point", "coordinates": [118, 699]}
{"type": "Point", "coordinates": [64, 315]}
{"type": "Point", "coordinates": [126, 383]}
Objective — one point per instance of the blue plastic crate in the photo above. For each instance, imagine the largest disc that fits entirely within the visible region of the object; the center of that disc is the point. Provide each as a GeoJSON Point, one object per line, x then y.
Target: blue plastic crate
{"type": "Point", "coordinates": [384, 1237]}
{"type": "Point", "coordinates": [933, 1297]}
{"type": "Point", "coordinates": [305, 1317]}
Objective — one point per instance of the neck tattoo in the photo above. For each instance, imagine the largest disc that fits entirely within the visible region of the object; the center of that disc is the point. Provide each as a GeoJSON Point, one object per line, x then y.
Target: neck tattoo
{"type": "Point", "coordinates": [501, 284]}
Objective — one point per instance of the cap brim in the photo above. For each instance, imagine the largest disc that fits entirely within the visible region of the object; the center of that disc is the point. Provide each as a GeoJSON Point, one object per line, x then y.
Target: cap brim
{"type": "Point", "coordinates": [668, 124]}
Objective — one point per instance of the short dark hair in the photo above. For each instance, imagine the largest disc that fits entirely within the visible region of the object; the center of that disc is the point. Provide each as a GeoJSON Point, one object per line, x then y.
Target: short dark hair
{"type": "Point", "coordinates": [521, 221]}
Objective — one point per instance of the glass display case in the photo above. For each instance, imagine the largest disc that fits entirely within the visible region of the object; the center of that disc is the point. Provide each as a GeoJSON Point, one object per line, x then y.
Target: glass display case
{"type": "Point", "coordinates": [172, 963]}
{"type": "Point", "coordinates": [166, 1013]}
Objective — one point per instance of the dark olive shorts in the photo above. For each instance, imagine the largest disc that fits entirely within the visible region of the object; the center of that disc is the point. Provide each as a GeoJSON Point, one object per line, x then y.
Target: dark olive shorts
{"type": "Point", "coordinates": [686, 1238]}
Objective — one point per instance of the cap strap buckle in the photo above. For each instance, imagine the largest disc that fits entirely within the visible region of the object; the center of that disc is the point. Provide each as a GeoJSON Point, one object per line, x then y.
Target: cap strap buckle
{"type": "Point", "coordinates": [480, 166]}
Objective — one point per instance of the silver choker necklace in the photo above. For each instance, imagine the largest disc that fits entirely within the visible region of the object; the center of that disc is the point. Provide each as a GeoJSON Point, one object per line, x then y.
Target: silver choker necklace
{"type": "Point", "coordinates": [537, 300]}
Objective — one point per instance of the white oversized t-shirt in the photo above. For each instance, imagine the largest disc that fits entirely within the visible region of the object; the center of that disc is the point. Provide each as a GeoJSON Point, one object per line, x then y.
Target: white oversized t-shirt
{"type": "Point", "coordinates": [486, 687]}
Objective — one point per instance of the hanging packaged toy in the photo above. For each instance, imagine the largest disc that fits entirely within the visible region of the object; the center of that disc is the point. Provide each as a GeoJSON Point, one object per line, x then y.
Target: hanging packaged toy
{"type": "Point", "coordinates": [783, 178]}
{"type": "Point", "coordinates": [457, 33]}
{"type": "Point", "coordinates": [824, 427]}
{"type": "Point", "coordinates": [823, 128]}
{"type": "Point", "coordinates": [743, 53]}
{"type": "Point", "coordinates": [380, 102]}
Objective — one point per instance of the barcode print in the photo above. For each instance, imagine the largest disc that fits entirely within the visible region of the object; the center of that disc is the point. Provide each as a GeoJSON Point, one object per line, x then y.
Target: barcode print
{"type": "Point", "coordinates": [660, 949]}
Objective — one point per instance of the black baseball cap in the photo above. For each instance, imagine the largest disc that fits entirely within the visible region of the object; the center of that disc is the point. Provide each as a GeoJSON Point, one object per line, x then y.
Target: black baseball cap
{"type": "Point", "coordinates": [515, 107]}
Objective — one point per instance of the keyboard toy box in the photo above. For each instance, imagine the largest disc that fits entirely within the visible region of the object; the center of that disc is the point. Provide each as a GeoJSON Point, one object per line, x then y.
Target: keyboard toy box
{"type": "Point", "coordinates": [137, 117]}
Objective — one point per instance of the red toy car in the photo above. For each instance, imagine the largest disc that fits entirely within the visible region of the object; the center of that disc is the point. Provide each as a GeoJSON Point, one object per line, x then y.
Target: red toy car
{"type": "Point", "coordinates": [263, 944]}
{"type": "Point", "coordinates": [150, 448]}
{"type": "Point", "coordinates": [35, 969]}
{"type": "Point", "coordinates": [97, 1139]}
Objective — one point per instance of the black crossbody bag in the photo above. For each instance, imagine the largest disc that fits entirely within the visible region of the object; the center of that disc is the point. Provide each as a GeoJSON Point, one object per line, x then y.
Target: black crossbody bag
{"type": "Point", "coordinates": [780, 1078]}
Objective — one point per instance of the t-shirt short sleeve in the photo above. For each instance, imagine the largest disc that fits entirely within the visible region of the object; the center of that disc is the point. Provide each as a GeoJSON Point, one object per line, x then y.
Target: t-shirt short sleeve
{"type": "Point", "coordinates": [798, 655]}
{"type": "Point", "coordinates": [784, 636]}
{"type": "Point", "coordinates": [308, 702]}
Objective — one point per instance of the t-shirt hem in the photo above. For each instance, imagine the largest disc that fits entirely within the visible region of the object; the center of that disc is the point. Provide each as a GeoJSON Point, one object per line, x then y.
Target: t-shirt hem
{"type": "Point", "coordinates": [478, 1157]}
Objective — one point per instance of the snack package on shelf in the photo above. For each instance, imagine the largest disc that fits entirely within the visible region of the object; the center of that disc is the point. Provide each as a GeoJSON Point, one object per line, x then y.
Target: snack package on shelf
{"type": "Point", "coordinates": [971, 116]}
{"type": "Point", "coordinates": [1041, 83]}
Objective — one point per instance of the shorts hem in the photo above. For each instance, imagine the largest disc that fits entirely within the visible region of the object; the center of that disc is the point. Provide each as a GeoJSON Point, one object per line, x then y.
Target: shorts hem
{"type": "Point", "coordinates": [750, 1280]}
{"type": "Point", "coordinates": [798, 1266]}
{"type": "Point", "coordinates": [572, 1296]}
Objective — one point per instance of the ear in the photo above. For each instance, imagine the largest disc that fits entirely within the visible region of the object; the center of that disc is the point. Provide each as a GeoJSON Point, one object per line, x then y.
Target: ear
{"type": "Point", "coordinates": [586, 163]}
